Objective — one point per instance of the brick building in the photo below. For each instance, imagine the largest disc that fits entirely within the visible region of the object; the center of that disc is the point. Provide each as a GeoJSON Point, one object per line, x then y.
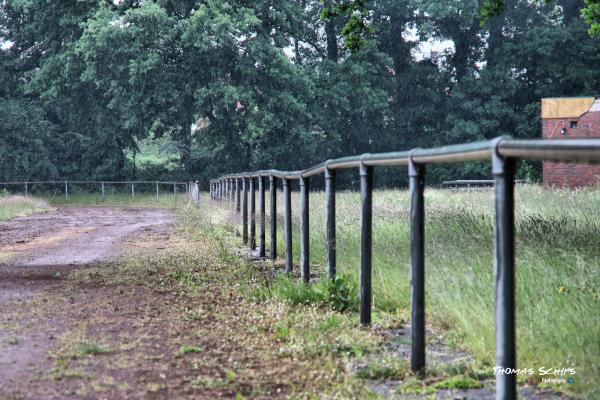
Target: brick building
{"type": "Point", "coordinates": [570, 118]}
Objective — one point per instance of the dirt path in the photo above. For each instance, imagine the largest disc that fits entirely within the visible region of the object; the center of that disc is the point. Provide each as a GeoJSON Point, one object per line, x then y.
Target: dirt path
{"type": "Point", "coordinates": [166, 320]}
{"type": "Point", "coordinates": [71, 236]}
{"type": "Point", "coordinates": [36, 254]}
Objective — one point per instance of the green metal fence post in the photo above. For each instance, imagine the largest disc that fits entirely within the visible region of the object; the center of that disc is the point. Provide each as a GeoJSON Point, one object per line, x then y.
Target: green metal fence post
{"type": "Point", "coordinates": [304, 229]}
{"type": "Point", "coordinates": [366, 242]}
{"type": "Point", "coordinates": [330, 221]}
{"type": "Point", "coordinates": [416, 174]}
{"type": "Point", "coordinates": [273, 194]}
{"type": "Point", "coordinates": [245, 210]}
{"type": "Point", "coordinates": [504, 268]}
{"type": "Point", "coordinates": [261, 217]}
{"type": "Point", "coordinates": [252, 215]}
{"type": "Point", "coordinates": [287, 224]}
{"type": "Point", "coordinates": [237, 194]}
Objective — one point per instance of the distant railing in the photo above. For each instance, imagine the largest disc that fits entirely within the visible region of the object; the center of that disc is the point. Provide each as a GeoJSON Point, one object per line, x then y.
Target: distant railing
{"type": "Point", "coordinates": [502, 152]}
{"type": "Point", "coordinates": [471, 183]}
{"type": "Point", "coordinates": [65, 187]}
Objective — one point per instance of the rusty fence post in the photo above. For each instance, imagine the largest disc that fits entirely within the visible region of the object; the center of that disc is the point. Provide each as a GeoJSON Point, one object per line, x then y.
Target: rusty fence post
{"type": "Point", "coordinates": [366, 242]}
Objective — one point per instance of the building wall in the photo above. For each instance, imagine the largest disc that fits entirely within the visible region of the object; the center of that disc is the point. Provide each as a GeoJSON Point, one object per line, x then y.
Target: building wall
{"type": "Point", "coordinates": [566, 174]}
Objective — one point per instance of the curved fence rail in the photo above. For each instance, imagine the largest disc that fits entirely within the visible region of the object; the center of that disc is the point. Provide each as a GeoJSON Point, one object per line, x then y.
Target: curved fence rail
{"type": "Point", "coordinates": [502, 152]}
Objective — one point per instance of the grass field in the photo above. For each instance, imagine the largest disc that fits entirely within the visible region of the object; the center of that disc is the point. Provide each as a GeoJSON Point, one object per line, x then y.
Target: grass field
{"type": "Point", "coordinates": [558, 274]}
{"type": "Point", "coordinates": [121, 199]}
{"type": "Point", "coordinates": [15, 206]}
{"type": "Point", "coordinates": [557, 278]}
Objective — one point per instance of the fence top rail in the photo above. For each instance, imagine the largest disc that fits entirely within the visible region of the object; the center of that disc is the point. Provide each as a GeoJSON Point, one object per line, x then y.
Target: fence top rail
{"type": "Point", "coordinates": [92, 182]}
{"type": "Point", "coordinates": [568, 150]}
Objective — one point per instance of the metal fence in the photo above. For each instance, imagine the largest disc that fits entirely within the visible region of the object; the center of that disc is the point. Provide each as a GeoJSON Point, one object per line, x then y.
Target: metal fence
{"type": "Point", "coordinates": [101, 188]}
{"type": "Point", "coordinates": [502, 152]}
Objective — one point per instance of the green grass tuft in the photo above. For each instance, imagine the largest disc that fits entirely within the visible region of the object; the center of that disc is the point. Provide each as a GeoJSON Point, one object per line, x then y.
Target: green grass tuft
{"type": "Point", "coordinates": [387, 368]}
{"type": "Point", "coordinates": [188, 349]}
{"type": "Point", "coordinates": [92, 349]}
{"type": "Point", "coordinates": [416, 386]}
{"type": "Point", "coordinates": [340, 294]}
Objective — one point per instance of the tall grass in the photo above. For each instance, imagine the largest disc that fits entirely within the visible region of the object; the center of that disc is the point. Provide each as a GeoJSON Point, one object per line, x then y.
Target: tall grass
{"type": "Point", "coordinates": [557, 277]}
{"type": "Point", "coordinates": [121, 199]}
{"type": "Point", "coordinates": [15, 206]}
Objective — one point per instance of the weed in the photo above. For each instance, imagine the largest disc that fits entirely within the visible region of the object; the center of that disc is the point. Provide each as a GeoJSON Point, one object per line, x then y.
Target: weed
{"type": "Point", "coordinates": [282, 332]}
{"type": "Point", "coordinates": [415, 386]}
{"type": "Point", "coordinates": [60, 374]}
{"type": "Point", "coordinates": [210, 383]}
{"type": "Point", "coordinates": [188, 349]}
{"type": "Point", "coordinates": [387, 368]}
{"type": "Point", "coordinates": [92, 349]}
{"type": "Point", "coordinates": [12, 340]}
{"type": "Point", "coordinates": [339, 294]}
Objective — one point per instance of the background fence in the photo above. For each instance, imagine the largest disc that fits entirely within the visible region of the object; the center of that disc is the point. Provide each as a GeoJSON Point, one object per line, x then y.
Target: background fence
{"type": "Point", "coordinates": [72, 191]}
{"type": "Point", "coordinates": [240, 189]}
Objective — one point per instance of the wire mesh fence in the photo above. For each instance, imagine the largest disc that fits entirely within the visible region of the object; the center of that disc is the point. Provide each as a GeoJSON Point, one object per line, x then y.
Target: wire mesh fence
{"type": "Point", "coordinates": [101, 192]}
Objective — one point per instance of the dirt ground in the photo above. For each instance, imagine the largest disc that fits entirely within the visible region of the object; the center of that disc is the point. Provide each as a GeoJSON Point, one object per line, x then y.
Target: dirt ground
{"type": "Point", "coordinates": [166, 320]}
{"type": "Point", "coordinates": [36, 254]}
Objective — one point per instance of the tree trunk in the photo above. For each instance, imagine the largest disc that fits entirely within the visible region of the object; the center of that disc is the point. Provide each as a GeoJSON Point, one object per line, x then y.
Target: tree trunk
{"type": "Point", "coordinates": [330, 32]}
{"type": "Point", "coordinates": [400, 53]}
{"type": "Point", "coordinates": [186, 147]}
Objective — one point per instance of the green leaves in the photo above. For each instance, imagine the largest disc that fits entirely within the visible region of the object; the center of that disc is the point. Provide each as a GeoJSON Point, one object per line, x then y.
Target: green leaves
{"type": "Point", "coordinates": [356, 27]}
{"type": "Point", "coordinates": [490, 9]}
{"type": "Point", "coordinates": [591, 15]}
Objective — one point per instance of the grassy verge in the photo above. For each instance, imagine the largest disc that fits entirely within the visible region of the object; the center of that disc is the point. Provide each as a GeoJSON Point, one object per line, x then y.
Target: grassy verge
{"type": "Point", "coordinates": [557, 276]}
{"type": "Point", "coordinates": [120, 199]}
{"type": "Point", "coordinates": [16, 206]}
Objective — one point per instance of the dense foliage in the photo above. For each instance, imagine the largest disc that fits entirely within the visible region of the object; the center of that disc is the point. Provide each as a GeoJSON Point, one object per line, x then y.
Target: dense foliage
{"type": "Point", "coordinates": [242, 85]}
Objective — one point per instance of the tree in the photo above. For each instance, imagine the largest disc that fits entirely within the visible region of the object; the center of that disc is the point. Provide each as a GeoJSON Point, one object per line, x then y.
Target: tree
{"type": "Point", "coordinates": [591, 14]}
